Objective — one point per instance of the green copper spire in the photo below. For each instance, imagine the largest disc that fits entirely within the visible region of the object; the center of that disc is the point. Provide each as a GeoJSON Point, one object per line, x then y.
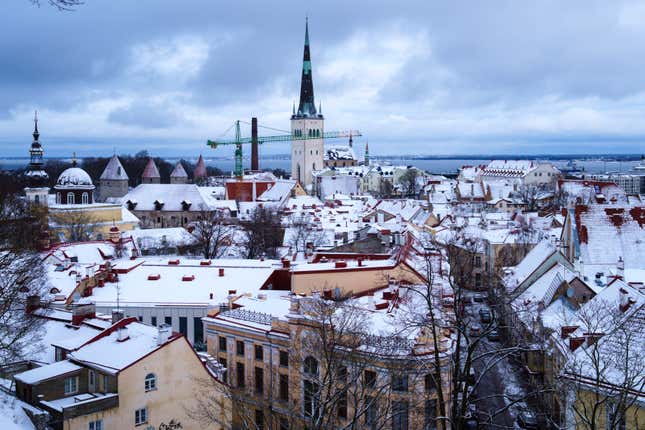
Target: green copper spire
{"type": "Point", "coordinates": [307, 105]}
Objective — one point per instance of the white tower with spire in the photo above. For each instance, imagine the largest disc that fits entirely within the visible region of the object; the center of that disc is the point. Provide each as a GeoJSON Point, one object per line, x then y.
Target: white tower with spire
{"type": "Point", "coordinates": [37, 188]}
{"type": "Point", "coordinates": [307, 155]}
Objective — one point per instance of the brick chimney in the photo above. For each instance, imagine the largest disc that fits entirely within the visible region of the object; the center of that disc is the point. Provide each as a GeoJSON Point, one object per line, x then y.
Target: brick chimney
{"type": "Point", "coordinates": [81, 312]}
{"type": "Point", "coordinates": [163, 334]}
{"type": "Point", "coordinates": [117, 315]}
{"type": "Point", "coordinates": [32, 303]}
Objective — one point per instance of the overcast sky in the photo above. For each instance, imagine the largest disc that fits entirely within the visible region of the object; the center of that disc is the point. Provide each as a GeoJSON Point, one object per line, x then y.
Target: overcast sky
{"type": "Point", "coordinates": [458, 77]}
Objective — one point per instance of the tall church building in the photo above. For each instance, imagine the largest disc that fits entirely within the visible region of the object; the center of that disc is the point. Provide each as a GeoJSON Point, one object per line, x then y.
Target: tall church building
{"type": "Point", "coordinates": [307, 154]}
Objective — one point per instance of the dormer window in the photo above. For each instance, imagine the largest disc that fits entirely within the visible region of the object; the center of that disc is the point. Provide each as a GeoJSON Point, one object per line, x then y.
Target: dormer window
{"type": "Point", "coordinates": [131, 204]}
{"type": "Point", "coordinates": [158, 205]}
{"type": "Point", "coordinates": [185, 205]}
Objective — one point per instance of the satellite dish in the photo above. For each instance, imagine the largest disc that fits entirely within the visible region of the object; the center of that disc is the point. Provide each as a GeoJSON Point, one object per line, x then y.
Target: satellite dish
{"type": "Point", "coordinates": [570, 292]}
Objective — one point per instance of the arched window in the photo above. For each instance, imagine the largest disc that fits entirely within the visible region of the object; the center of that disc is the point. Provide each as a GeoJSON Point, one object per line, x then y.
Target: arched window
{"type": "Point", "coordinates": [311, 366]}
{"type": "Point", "coordinates": [85, 198]}
{"type": "Point", "coordinates": [58, 198]}
{"type": "Point", "coordinates": [151, 382]}
{"type": "Point", "coordinates": [70, 198]}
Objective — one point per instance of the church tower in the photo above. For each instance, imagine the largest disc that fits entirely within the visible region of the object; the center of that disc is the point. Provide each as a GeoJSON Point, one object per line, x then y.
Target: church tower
{"type": "Point", "coordinates": [37, 179]}
{"type": "Point", "coordinates": [306, 154]}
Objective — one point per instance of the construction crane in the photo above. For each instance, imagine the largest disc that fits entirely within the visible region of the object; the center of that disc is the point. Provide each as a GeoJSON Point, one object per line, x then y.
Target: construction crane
{"type": "Point", "coordinates": [255, 140]}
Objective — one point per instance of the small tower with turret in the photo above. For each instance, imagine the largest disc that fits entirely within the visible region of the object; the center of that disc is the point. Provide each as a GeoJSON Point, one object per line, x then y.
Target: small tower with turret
{"type": "Point", "coordinates": [178, 174]}
{"type": "Point", "coordinates": [114, 180]}
{"type": "Point", "coordinates": [151, 173]}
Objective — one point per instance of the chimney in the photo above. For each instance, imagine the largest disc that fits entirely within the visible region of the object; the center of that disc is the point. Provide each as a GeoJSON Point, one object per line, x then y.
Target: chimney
{"type": "Point", "coordinates": [286, 263]}
{"type": "Point", "coordinates": [221, 272]}
{"type": "Point", "coordinates": [117, 315]}
{"type": "Point", "coordinates": [294, 305]}
{"type": "Point", "coordinates": [82, 312]}
{"type": "Point", "coordinates": [224, 307]}
{"type": "Point", "coordinates": [360, 261]}
{"type": "Point", "coordinates": [122, 334]}
{"type": "Point", "coordinates": [163, 334]}
{"type": "Point", "coordinates": [33, 303]}
{"type": "Point", "coordinates": [624, 300]}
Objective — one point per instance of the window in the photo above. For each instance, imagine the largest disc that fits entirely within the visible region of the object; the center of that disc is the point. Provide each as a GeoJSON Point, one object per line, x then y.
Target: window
{"type": "Point", "coordinates": [429, 382]}
{"type": "Point", "coordinates": [222, 344]}
{"type": "Point", "coordinates": [71, 385]}
{"type": "Point", "coordinates": [239, 346]}
{"type": "Point", "coordinates": [341, 373]}
{"type": "Point", "coordinates": [239, 370]}
{"type": "Point", "coordinates": [92, 378]}
{"type": "Point", "coordinates": [153, 321]}
{"type": "Point", "coordinates": [311, 399]}
{"type": "Point", "coordinates": [140, 416]}
{"type": "Point", "coordinates": [311, 366]}
{"type": "Point", "coordinates": [430, 414]}
{"type": "Point", "coordinates": [478, 280]}
{"type": "Point", "coordinates": [478, 261]}
{"type": "Point", "coordinates": [284, 358]}
{"type": "Point", "coordinates": [85, 198]}
{"type": "Point", "coordinates": [342, 404]}
{"type": "Point", "coordinates": [259, 352]}
{"type": "Point", "coordinates": [183, 325]}
{"type": "Point", "coordinates": [283, 388]}
{"type": "Point", "coordinates": [259, 380]}
{"type": "Point", "coordinates": [198, 330]}
{"type": "Point", "coordinates": [369, 378]}
{"type": "Point", "coordinates": [400, 382]}
{"type": "Point", "coordinates": [370, 413]}
{"type": "Point", "coordinates": [70, 198]}
{"type": "Point", "coordinates": [104, 382]}
{"type": "Point", "coordinates": [151, 382]}
{"type": "Point", "coordinates": [140, 318]}
{"type": "Point", "coordinates": [224, 364]}
{"type": "Point", "coordinates": [615, 417]}
{"type": "Point", "coordinates": [167, 320]}
{"type": "Point", "coordinates": [259, 419]}
{"type": "Point", "coordinates": [58, 198]}
{"type": "Point", "coordinates": [400, 415]}
{"type": "Point", "coordinates": [284, 424]}
{"type": "Point", "coordinates": [96, 425]}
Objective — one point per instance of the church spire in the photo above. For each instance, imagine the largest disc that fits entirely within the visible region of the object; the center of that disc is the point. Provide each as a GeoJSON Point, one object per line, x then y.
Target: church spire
{"type": "Point", "coordinates": [367, 154]}
{"type": "Point", "coordinates": [307, 106]}
{"type": "Point", "coordinates": [35, 172]}
{"type": "Point", "coordinates": [36, 133]}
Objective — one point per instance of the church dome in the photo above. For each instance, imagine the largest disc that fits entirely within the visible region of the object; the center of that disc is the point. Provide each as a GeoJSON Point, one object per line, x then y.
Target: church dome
{"type": "Point", "coordinates": [74, 178]}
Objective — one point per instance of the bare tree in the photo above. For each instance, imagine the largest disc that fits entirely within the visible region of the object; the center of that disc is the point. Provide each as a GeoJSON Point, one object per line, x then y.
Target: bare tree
{"type": "Point", "coordinates": [605, 375]}
{"type": "Point", "coordinates": [62, 5]}
{"type": "Point", "coordinates": [341, 376]}
{"type": "Point", "coordinates": [212, 232]}
{"type": "Point", "coordinates": [263, 233]}
{"type": "Point", "coordinates": [303, 233]}
{"type": "Point", "coordinates": [386, 189]}
{"type": "Point", "coordinates": [409, 184]}
{"type": "Point", "coordinates": [448, 267]}
{"type": "Point", "coordinates": [77, 225]}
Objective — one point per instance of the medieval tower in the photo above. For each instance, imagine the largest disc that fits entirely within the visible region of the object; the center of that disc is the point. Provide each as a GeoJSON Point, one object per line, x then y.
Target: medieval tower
{"type": "Point", "coordinates": [306, 122]}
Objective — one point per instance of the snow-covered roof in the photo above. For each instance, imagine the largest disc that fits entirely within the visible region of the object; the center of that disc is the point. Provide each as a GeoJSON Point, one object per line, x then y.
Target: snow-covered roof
{"type": "Point", "coordinates": [509, 168]}
{"type": "Point", "coordinates": [341, 152]}
{"type": "Point", "coordinates": [114, 170]}
{"type": "Point", "coordinates": [156, 237]}
{"type": "Point", "coordinates": [280, 191]}
{"type": "Point", "coordinates": [157, 283]}
{"type": "Point", "coordinates": [49, 371]}
{"type": "Point", "coordinates": [110, 354]}
{"type": "Point", "coordinates": [530, 263]}
{"type": "Point", "coordinates": [74, 178]}
{"type": "Point", "coordinates": [172, 196]}
{"type": "Point", "coordinates": [608, 234]}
